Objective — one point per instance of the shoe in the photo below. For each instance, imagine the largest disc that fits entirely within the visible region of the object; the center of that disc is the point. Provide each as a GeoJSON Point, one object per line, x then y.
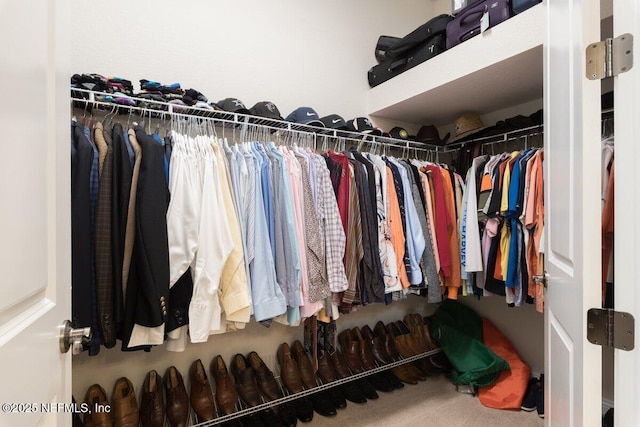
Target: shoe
{"type": "Point", "coordinates": [325, 369]}
{"type": "Point", "coordinates": [289, 372]}
{"type": "Point", "coordinates": [367, 389]}
{"type": "Point", "coordinates": [177, 406]}
{"type": "Point", "coordinates": [267, 383]}
{"type": "Point", "coordinates": [351, 351]}
{"type": "Point", "coordinates": [152, 402]}
{"type": "Point", "coordinates": [408, 372]}
{"type": "Point", "coordinates": [305, 367]}
{"type": "Point", "coordinates": [245, 381]}
{"type": "Point", "coordinates": [304, 409]}
{"type": "Point", "coordinates": [97, 397]}
{"type": "Point", "coordinates": [529, 400]}
{"type": "Point", "coordinates": [252, 420]}
{"type": "Point", "coordinates": [392, 379]}
{"type": "Point", "coordinates": [368, 361]}
{"type": "Point", "coordinates": [270, 389]}
{"type": "Point", "coordinates": [201, 395]}
{"type": "Point", "coordinates": [540, 397]}
{"type": "Point", "coordinates": [376, 345]}
{"type": "Point", "coordinates": [407, 346]}
{"type": "Point", "coordinates": [337, 397]}
{"type": "Point", "coordinates": [269, 418]}
{"type": "Point", "coordinates": [380, 383]}
{"type": "Point", "coordinates": [226, 395]}
{"type": "Point", "coordinates": [125, 405]}
{"type": "Point", "coordinates": [352, 392]}
{"type": "Point", "coordinates": [322, 404]}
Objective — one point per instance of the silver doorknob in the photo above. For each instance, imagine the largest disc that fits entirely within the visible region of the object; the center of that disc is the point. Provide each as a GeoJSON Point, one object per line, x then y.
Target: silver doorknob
{"type": "Point", "coordinates": [72, 338]}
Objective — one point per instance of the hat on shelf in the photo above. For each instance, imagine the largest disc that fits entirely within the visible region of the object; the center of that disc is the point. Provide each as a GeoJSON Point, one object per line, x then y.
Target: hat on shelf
{"type": "Point", "coordinates": [334, 121]}
{"type": "Point", "coordinates": [305, 116]}
{"type": "Point", "coordinates": [468, 124]}
{"type": "Point", "coordinates": [429, 134]}
{"type": "Point", "coordinates": [233, 105]}
{"type": "Point", "coordinates": [267, 110]}
{"type": "Point", "coordinates": [399, 133]}
{"type": "Point", "coordinates": [363, 125]}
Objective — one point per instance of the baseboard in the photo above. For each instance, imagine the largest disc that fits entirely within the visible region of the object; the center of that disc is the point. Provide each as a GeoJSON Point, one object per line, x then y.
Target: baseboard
{"type": "Point", "coordinates": [606, 405]}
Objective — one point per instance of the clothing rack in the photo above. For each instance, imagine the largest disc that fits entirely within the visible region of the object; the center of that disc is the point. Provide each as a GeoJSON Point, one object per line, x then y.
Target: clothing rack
{"type": "Point", "coordinates": [163, 110]}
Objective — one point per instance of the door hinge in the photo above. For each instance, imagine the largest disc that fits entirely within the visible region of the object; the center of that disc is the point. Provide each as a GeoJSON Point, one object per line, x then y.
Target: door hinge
{"type": "Point", "coordinates": [610, 328]}
{"type": "Point", "coordinates": [610, 57]}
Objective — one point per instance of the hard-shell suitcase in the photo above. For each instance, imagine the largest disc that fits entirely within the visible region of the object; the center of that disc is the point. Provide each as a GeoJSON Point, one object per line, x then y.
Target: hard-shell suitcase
{"type": "Point", "coordinates": [391, 68]}
{"type": "Point", "coordinates": [419, 36]}
{"type": "Point", "coordinates": [519, 6]}
{"type": "Point", "coordinates": [467, 23]}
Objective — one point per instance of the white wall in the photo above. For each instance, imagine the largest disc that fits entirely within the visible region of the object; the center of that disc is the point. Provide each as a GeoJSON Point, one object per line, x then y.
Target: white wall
{"type": "Point", "coordinates": [293, 53]}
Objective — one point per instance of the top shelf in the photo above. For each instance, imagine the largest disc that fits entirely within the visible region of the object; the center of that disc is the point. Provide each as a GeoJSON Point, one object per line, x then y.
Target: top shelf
{"type": "Point", "coordinates": [495, 70]}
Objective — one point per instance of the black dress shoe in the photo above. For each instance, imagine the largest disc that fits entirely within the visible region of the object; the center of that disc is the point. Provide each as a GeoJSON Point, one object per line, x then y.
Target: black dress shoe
{"type": "Point", "coordinates": [336, 395]}
{"type": "Point", "coordinates": [322, 404]}
{"type": "Point", "coordinates": [353, 393]}
{"type": "Point", "coordinates": [252, 420]}
{"type": "Point", "coordinates": [392, 379]}
{"type": "Point", "coordinates": [304, 409]}
{"type": "Point", "coordinates": [269, 418]}
{"type": "Point", "coordinates": [367, 388]}
{"type": "Point", "coordinates": [380, 383]}
{"type": "Point", "coordinates": [287, 413]}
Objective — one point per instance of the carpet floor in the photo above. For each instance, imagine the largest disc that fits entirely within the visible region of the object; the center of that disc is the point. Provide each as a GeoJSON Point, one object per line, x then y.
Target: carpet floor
{"type": "Point", "coordinates": [433, 403]}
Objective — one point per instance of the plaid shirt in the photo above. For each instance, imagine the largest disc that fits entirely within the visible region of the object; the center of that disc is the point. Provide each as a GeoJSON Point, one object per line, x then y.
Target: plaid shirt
{"type": "Point", "coordinates": [331, 227]}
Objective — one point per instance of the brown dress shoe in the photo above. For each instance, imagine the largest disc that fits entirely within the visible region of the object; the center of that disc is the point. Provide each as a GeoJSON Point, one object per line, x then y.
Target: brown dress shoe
{"type": "Point", "coordinates": [289, 372]}
{"type": "Point", "coordinates": [264, 377]}
{"type": "Point", "coordinates": [339, 364]}
{"type": "Point", "coordinates": [351, 351]}
{"type": "Point", "coordinates": [96, 397]}
{"type": "Point", "coordinates": [201, 395]}
{"type": "Point", "coordinates": [125, 405]}
{"type": "Point", "coordinates": [246, 385]}
{"type": "Point", "coordinates": [226, 394]}
{"type": "Point", "coordinates": [304, 365]}
{"type": "Point", "coordinates": [392, 348]}
{"type": "Point", "coordinates": [325, 369]}
{"type": "Point", "coordinates": [177, 399]}
{"type": "Point", "coordinates": [152, 401]}
{"type": "Point", "coordinates": [382, 356]}
{"type": "Point", "coordinates": [366, 356]}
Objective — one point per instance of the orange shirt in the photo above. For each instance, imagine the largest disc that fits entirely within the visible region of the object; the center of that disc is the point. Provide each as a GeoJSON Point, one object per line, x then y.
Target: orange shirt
{"type": "Point", "coordinates": [453, 282]}
{"type": "Point", "coordinates": [395, 225]}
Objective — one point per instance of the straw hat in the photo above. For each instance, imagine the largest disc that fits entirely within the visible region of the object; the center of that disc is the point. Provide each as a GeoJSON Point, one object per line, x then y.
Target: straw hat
{"type": "Point", "coordinates": [468, 124]}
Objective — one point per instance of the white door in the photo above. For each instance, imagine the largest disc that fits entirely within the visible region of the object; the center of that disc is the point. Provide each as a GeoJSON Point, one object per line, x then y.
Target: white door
{"type": "Point", "coordinates": [572, 203]}
{"type": "Point", "coordinates": [35, 270]}
{"type": "Point", "coordinates": [626, 15]}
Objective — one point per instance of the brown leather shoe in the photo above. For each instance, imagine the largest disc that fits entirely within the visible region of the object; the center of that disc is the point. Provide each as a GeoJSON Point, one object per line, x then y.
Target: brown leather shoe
{"type": "Point", "coordinates": [201, 396]}
{"type": "Point", "coordinates": [226, 394]}
{"type": "Point", "coordinates": [177, 400]}
{"type": "Point", "coordinates": [339, 364]}
{"type": "Point", "coordinates": [96, 397]}
{"type": "Point", "coordinates": [376, 344]}
{"type": "Point", "coordinates": [125, 405]}
{"type": "Point", "coordinates": [152, 401]}
{"type": "Point", "coordinates": [267, 383]}
{"type": "Point", "coordinates": [289, 372]}
{"type": "Point", "coordinates": [393, 348]}
{"type": "Point", "coordinates": [325, 369]}
{"type": "Point", "coordinates": [368, 361]}
{"type": "Point", "coordinates": [351, 351]}
{"type": "Point", "coordinates": [304, 365]}
{"type": "Point", "coordinates": [246, 385]}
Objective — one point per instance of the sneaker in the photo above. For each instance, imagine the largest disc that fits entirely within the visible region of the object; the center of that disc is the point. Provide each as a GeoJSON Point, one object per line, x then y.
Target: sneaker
{"type": "Point", "coordinates": [529, 400]}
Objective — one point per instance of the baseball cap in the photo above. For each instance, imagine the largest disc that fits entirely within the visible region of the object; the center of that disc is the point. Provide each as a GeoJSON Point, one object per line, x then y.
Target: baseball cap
{"type": "Point", "coordinates": [233, 105]}
{"type": "Point", "coordinates": [305, 116]}
{"type": "Point", "coordinates": [363, 125]}
{"type": "Point", "coordinates": [266, 109]}
{"type": "Point", "coordinates": [399, 133]}
{"type": "Point", "coordinates": [334, 121]}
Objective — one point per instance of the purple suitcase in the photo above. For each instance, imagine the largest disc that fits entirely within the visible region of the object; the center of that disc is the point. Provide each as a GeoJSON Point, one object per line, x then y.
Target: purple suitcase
{"type": "Point", "coordinates": [467, 23]}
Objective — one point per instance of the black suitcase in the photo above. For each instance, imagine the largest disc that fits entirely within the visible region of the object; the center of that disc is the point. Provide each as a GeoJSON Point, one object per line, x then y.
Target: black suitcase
{"type": "Point", "coordinates": [418, 37]}
{"type": "Point", "coordinates": [466, 24]}
{"type": "Point", "coordinates": [391, 68]}
{"type": "Point", "coordinates": [519, 6]}
{"type": "Point", "coordinates": [384, 43]}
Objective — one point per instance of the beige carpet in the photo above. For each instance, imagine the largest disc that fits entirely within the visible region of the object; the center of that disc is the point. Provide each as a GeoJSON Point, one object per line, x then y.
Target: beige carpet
{"type": "Point", "coordinates": [433, 403]}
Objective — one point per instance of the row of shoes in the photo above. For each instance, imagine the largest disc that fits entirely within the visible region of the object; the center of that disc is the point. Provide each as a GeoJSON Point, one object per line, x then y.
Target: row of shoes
{"type": "Point", "coordinates": [254, 383]}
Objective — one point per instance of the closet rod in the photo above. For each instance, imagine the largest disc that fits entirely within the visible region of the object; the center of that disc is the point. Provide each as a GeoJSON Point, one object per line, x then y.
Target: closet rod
{"type": "Point", "coordinates": [90, 98]}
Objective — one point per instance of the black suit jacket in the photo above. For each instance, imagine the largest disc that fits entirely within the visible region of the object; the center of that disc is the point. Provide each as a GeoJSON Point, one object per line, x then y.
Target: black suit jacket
{"type": "Point", "coordinates": [148, 288]}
